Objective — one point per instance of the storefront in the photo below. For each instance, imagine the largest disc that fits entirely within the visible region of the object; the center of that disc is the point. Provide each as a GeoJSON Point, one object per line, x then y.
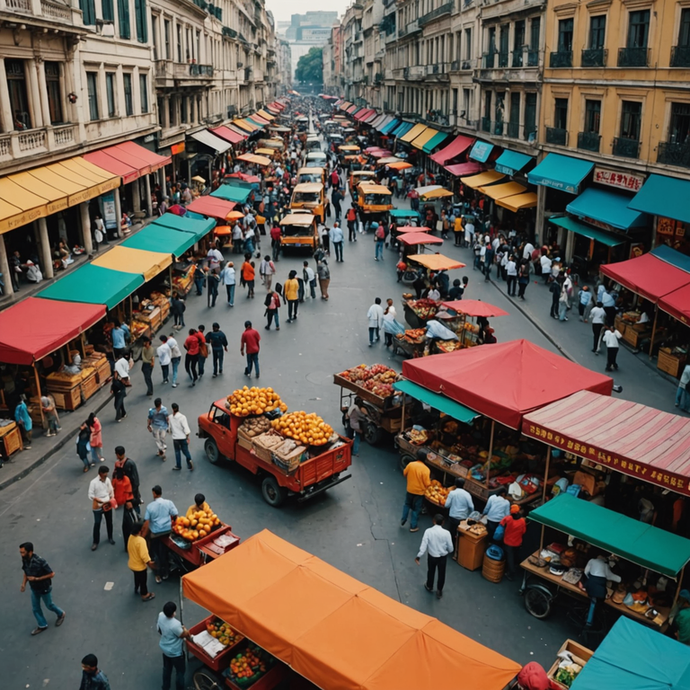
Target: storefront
{"type": "Point", "coordinates": [206, 155]}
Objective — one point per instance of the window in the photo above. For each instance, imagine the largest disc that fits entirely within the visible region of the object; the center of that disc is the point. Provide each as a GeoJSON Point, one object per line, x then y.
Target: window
{"type": "Point", "coordinates": [107, 11]}
{"type": "Point", "coordinates": [188, 44]}
{"type": "Point", "coordinates": [631, 117]}
{"type": "Point", "coordinates": [144, 93]}
{"type": "Point", "coordinates": [92, 89]}
{"type": "Point", "coordinates": [161, 113]}
{"type": "Point", "coordinates": [597, 32]}
{"type": "Point", "coordinates": [487, 105]}
{"type": "Point", "coordinates": [110, 92]}
{"type": "Point", "coordinates": [88, 11]}
{"type": "Point", "coordinates": [183, 109]}
{"type": "Point", "coordinates": [127, 84]}
{"type": "Point", "coordinates": [592, 116]}
{"type": "Point", "coordinates": [638, 29]}
{"type": "Point", "coordinates": [565, 35]}
{"type": "Point", "coordinates": [171, 112]}
{"type": "Point", "coordinates": [679, 130]}
{"type": "Point", "coordinates": [492, 40]}
{"type": "Point", "coordinates": [560, 115]}
{"type": "Point", "coordinates": [468, 44]}
{"type": "Point", "coordinates": [166, 31]}
{"type": "Point", "coordinates": [140, 21]}
{"type": "Point", "coordinates": [534, 31]}
{"type": "Point", "coordinates": [123, 18]}
{"type": "Point", "coordinates": [684, 29]}
{"type": "Point", "coordinates": [52, 72]}
{"type": "Point", "coordinates": [530, 115]}
{"type": "Point", "coordinates": [514, 122]}
{"type": "Point", "coordinates": [519, 35]}
{"type": "Point", "coordinates": [503, 48]}
{"type": "Point", "coordinates": [19, 102]}
{"type": "Point", "coordinates": [156, 39]}
{"type": "Point", "coordinates": [467, 103]}
{"type": "Point", "coordinates": [179, 42]}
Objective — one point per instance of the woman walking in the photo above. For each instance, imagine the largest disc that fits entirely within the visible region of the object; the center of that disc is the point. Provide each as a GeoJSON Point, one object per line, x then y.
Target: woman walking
{"type": "Point", "coordinates": [248, 275]}
{"type": "Point", "coordinates": [96, 439]}
{"type": "Point", "coordinates": [291, 295]}
{"type": "Point", "coordinates": [523, 278]}
{"type": "Point", "coordinates": [83, 445]}
{"type": "Point", "coordinates": [324, 274]}
{"type": "Point", "coordinates": [119, 391]}
{"type": "Point", "coordinates": [272, 303]}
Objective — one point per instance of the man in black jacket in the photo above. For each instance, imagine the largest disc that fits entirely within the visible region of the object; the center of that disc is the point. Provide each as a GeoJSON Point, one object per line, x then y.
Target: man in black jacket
{"type": "Point", "coordinates": [39, 574]}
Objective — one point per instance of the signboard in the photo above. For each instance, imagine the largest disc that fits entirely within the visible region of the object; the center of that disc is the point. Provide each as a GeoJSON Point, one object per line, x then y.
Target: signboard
{"type": "Point", "coordinates": [109, 212]}
{"type": "Point", "coordinates": [631, 182]}
{"type": "Point", "coordinates": [481, 151]}
{"type": "Point", "coordinates": [177, 148]}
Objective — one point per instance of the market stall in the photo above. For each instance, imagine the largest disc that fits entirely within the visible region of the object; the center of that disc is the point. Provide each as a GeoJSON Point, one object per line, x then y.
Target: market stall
{"type": "Point", "coordinates": [459, 311]}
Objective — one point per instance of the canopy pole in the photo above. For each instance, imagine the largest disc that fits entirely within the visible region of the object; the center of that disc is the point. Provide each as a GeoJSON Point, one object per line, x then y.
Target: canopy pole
{"type": "Point", "coordinates": [546, 476]}
{"type": "Point", "coordinates": [402, 421]}
{"type": "Point", "coordinates": [170, 277]}
{"type": "Point", "coordinates": [651, 344]}
{"type": "Point", "coordinates": [680, 584]}
{"type": "Point", "coordinates": [491, 450]}
{"type": "Point", "coordinates": [38, 389]}
{"type": "Point", "coordinates": [82, 340]}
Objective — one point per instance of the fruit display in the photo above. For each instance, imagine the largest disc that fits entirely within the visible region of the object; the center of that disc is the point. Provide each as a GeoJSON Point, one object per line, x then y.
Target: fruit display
{"type": "Point", "coordinates": [377, 378]}
{"type": "Point", "coordinates": [448, 345]}
{"type": "Point", "coordinates": [255, 426]}
{"type": "Point", "coordinates": [248, 666]}
{"type": "Point", "coordinates": [254, 401]}
{"type": "Point", "coordinates": [437, 493]}
{"type": "Point", "coordinates": [424, 308]}
{"type": "Point", "coordinates": [307, 428]}
{"type": "Point", "coordinates": [200, 525]}
{"type": "Point", "coordinates": [224, 633]}
{"type": "Point", "coordinates": [415, 336]}
{"type": "Point", "coordinates": [417, 436]}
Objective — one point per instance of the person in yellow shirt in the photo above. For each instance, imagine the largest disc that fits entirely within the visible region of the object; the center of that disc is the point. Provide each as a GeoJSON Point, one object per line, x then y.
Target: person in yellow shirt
{"type": "Point", "coordinates": [139, 560]}
{"type": "Point", "coordinates": [199, 504]}
{"type": "Point", "coordinates": [291, 293]}
{"type": "Point", "coordinates": [418, 478]}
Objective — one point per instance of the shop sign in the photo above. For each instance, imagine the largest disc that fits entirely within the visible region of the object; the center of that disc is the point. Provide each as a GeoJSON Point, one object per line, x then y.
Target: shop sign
{"type": "Point", "coordinates": [631, 182]}
{"type": "Point", "coordinates": [109, 212]}
{"type": "Point", "coordinates": [177, 148]}
{"type": "Point", "coordinates": [149, 138]}
{"type": "Point", "coordinates": [634, 469]}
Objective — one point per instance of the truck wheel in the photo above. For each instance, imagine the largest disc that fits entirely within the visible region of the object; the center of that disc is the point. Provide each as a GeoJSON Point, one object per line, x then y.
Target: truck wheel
{"type": "Point", "coordinates": [212, 452]}
{"type": "Point", "coordinates": [273, 493]}
{"type": "Point", "coordinates": [405, 460]}
{"type": "Point", "coordinates": [372, 434]}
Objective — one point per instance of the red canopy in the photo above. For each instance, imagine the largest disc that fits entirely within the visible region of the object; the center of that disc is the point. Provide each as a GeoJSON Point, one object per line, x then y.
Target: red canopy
{"type": "Point", "coordinates": [469, 168]}
{"type": "Point", "coordinates": [381, 153]}
{"type": "Point", "coordinates": [504, 381]}
{"type": "Point", "coordinates": [246, 178]}
{"type": "Point", "coordinates": [228, 134]}
{"type": "Point", "coordinates": [411, 228]}
{"type": "Point", "coordinates": [412, 238]}
{"type": "Point", "coordinates": [677, 304]}
{"type": "Point", "coordinates": [456, 147]}
{"type": "Point", "coordinates": [35, 327]}
{"type": "Point", "coordinates": [475, 307]}
{"type": "Point", "coordinates": [211, 206]}
{"type": "Point", "coordinates": [128, 160]}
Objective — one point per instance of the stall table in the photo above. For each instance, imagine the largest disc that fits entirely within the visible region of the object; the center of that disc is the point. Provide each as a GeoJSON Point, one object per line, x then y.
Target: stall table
{"type": "Point", "coordinates": [670, 363]}
{"type": "Point", "coordinates": [69, 389]}
{"type": "Point", "coordinates": [11, 437]}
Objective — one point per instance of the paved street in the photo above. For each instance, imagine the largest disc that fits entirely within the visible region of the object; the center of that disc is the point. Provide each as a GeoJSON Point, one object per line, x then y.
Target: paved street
{"type": "Point", "coordinates": [354, 527]}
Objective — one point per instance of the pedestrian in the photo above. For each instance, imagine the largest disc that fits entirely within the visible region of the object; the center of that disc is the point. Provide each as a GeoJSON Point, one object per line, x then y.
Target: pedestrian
{"type": "Point", "coordinates": [177, 309]}
{"type": "Point", "coordinates": [163, 352]}
{"type": "Point", "coordinates": [102, 496]}
{"type": "Point", "coordinates": [119, 391]}
{"type": "Point", "coordinates": [50, 414]}
{"type": "Point", "coordinates": [337, 239]}
{"type": "Point", "coordinates": [276, 236]}
{"type": "Point", "coordinates": [203, 349]}
{"type": "Point", "coordinates": [129, 518]}
{"type": "Point", "coordinates": [266, 270]}
{"type": "Point", "coordinates": [309, 279]}
{"type": "Point", "coordinates": [379, 239]}
{"type": "Point", "coordinates": [139, 561]}
{"type": "Point", "coordinates": [219, 345]}
{"type": "Point", "coordinates": [459, 504]}
{"type": "Point", "coordinates": [148, 361]}
{"type": "Point", "coordinates": [212, 283]}
{"type": "Point", "coordinates": [351, 218]}
{"type": "Point", "coordinates": [437, 544]}
{"type": "Point", "coordinates": [375, 318]}
{"type": "Point", "coordinates": [272, 304]}
{"type": "Point", "coordinates": [191, 359]}
{"type": "Point", "coordinates": [99, 232]}
{"type": "Point", "coordinates": [199, 277]}
{"type": "Point", "coordinates": [489, 255]}
{"type": "Point", "coordinates": [129, 467]}
{"type": "Point", "coordinates": [248, 275]}
{"type": "Point", "coordinates": [91, 677]}
{"type": "Point", "coordinates": [324, 274]}
{"type": "Point", "coordinates": [562, 299]}
{"type": "Point", "coordinates": [291, 295]}
{"type": "Point", "coordinates": [158, 522]}
{"type": "Point", "coordinates": [497, 507]}
{"type": "Point", "coordinates": [555, 289]}
{"type": "Point", "coordinates": [515, 528]}
{"type": "Point", "coordinates": [584, 302]}
{"type": "Point", "coordinates": [119, 336]}
{"type": "Point", "coordinates": [172, 634]}
{"type": "Point", "coordinates": [611, 337]}
{"type": "Point", "coordinates": [511, 275]}
{"type": "Point", "coordinates": [24, 421]}
{"type": "Point", "coordinates": [158, 424]}
{"type": "Point", "coordinates": [122, 488]}
{"type": "Point", "coordinates": [389, 314]}
{"type": "Point", "coordinates": [354, 416]}
{"type": "Point", "coordinates": [180, 432]}
{"type": "Point", "coordinates": [39, 575]}
{"type": "Point", "coordinates": [458, 231]}
{"type": "Point", "coordinates": [250, 342]}
{"type": "Point", "coordinates": [682, 393]}
{"type": "Point", "coordinates": [326, 240]}
{"type": "Point", "coordinates": [175, 356]}
{"type": "Point", "coordinates": [523, 279]}
{"type": "Point", "coordinates": [122, 368]}
{"type": "Point", "coordinates": [229, 279]}
{"type": "Point", "coordinates": [598, 317]}
{"type": "Point", "coordinates": [418, 479]}
{"type": "Point", "coordinates": [608, 301]}
{"type": "Point", "coordinates": [83, 447]}
{"type": "Point", "coordinates": [336, 198]}
{"type": "Point", "coordinates": [214, 258]}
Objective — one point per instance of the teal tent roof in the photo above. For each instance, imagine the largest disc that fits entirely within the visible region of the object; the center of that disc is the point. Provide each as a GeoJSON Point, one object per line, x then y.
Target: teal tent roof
{"type": "Point", "coordinates": [634, 657]}
{"type": "Point", "coordinates": [481, 151]}
{"type": "Point", "coordinates": [435, 141]}
{"type": "Point", "coordinates": [403, 128]}
{"type": "Point", "coordinates": [232, 193]}
{"type": "Point", "coordinates": [94, 285]}
{"type": "Point", "coordinates": [637, 542]}
{"type": "Point", "coordinates": [158, 238]}
{"type": "Point", "coordinates": [664, 196]}
{"type": "Point", "coordinates": [256, 123]}
{"type": "Point", "coordinates": [510, 162]}
{"type": "Point", "coordinates": [438, 402]}
{"type": "Point", "coordinates": [389, 127]}
{"type": "Point", "coordinates": [592, 233]}
{"type": "Point", "coordinates": [671, 256]}
{"type": "Point", "coordinates": [560, 172]}
{"type": "Point", "coordinates": [403, 213]}
{"type": "Point", "coordinates": [198, 228]}
{"type": "Point", "coordinates": [606, 207]}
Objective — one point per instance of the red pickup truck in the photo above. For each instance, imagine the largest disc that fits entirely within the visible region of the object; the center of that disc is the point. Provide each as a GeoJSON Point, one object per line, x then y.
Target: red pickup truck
{"type": "Point", "coordinates": [313, 476]}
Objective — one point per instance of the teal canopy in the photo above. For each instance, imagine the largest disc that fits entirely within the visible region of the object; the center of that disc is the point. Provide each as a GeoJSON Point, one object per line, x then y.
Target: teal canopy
{"type": "Point", "coordinates": [94, 285]}
{"type": "Point", "coordinates": [198, 228]}
{"type": "Point", "coordinates": [158, 238]}
{"type": "Point", "coordinates": [510, 162]}
{"type": "Point", "coordinates": [438, 402]}
{"type": "Point", "coordinates": [560, 172]}
{"type": "Point", "coordinates": [637, 542]}
{"type": "Point", "coordinates": [403, 213]}
{"type": "Point", "coordinates": [607, 238]}
{"type": "Point", "coordinates": [606, 207]}
{"type": "Point", "coordinates": [403, 128]}
{"type": "Point", "coordinates": [481, 151]}
{"type": "Point", "coordinates": [635, 657]}
{"type": "Point", "coordinates": [435, 141]}
{"type": "Point", "coordinates": [664, 196]}
{"type": "Point", "coordinates": [672, 256]}
{"type": "Point", "coordinates": [388, 128]}
{"type": "Point", "coordinates": [231, 193]}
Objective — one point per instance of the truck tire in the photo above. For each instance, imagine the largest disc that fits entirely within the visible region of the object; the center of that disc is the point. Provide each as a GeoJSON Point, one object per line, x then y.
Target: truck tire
{"type": "Point", "coordinates": [405, 460]}
{"type": "Point", "coordinates": [273, 493]}
{"type": "Point", "coordinates": [372, 434]}
{"type": "Point", "coordinates": [212, 452]}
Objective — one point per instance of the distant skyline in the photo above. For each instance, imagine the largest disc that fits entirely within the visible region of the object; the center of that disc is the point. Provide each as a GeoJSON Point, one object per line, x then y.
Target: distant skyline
{"type": "Point", "coordinates": [282, 11]}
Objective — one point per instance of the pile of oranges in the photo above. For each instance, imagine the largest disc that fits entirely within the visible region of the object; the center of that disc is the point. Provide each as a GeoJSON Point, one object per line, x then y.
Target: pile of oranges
{"type": "Point", "coordinates": [247, 664]}
{"type": "Point", "coordinates": [308, 429]}
{"type": "Point", "coordinates": [201, 524]}
{"type": "Point", "coordinates": [254, 401]}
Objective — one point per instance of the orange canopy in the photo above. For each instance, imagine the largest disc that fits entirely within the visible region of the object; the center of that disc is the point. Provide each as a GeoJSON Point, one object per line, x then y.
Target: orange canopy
{"type": "Point", "coordinates": [334, 630]}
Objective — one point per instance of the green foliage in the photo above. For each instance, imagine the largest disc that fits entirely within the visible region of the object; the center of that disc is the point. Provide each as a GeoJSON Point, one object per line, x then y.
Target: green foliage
{"type": "Point", "coordinates": [310, 67]}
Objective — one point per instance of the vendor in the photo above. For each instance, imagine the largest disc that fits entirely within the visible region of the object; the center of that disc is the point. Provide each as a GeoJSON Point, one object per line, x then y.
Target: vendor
{"type": "Point", "coordinates": [199, 504]}
{"type": "Point", "coordinates": [681, 622]}
{"type": "Point", "coordinates": [75, 367]}
{"type": "Point", "coordinates": [597, 572]}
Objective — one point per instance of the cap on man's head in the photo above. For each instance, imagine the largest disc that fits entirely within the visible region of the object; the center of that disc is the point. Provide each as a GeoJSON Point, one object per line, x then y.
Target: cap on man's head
{"type": "Point", "coordinates": [514, 509]}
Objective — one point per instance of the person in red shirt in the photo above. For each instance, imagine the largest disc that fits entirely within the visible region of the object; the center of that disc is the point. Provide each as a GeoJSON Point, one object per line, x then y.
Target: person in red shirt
{"type": "Point", "coordinates": [250, 342]}
{"type": "Point", "coordinates": [276, 234]}
{"type": "Point", "coordinates": [191, 344]}
{"type": "Point", "coordinates": [122, 487]}
{"type": "Point", "coordinates": [248, 274]}
{"type": "Point", "coordinates": [515, 527]}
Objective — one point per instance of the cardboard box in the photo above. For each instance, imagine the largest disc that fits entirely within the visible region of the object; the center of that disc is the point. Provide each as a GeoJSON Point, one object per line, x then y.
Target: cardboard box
{"type": "Point", "coordinates": [245, 442]}
{"type": "Point", "coordinates": [581, 655]}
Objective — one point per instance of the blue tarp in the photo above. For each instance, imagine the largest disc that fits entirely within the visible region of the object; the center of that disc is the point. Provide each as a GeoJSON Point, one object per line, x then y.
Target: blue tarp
{"type": "Point", "coordinates": [198, 228]}
{"type": "Point", "coordinates": [388, 128]}
{"type": "Point", "coordinates": [664, 196]}
{"type": "Point", "coordinates": [231, 193]}
{"type": "Point", "coordinates": [561, 172]}
{"type": "Point", "coordinates": [403, 128]}
{"type": "Point", "coordinates": [606, 207]}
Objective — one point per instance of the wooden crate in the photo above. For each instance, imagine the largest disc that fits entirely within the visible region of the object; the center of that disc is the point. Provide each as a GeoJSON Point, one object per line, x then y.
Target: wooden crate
{"type": "Point", "coordinates": [620, 325]}
{"type": "Point", "coordinates": [581, 655]}
{"type": "Point", "coordinates": [66, 399]}
{"type": "Point", "coordinates": [634, 337]}
{"type": "Point", "coordinates": [103, 373]}
{"type": "Point", "coordinates": [671, 364]}
{"type": "Point", "coordinates": [89, 386]}
{"type": "Point", "coordinates": [11, 438]}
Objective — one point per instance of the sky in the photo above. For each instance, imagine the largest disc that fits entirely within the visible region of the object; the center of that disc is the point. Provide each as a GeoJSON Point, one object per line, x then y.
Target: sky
{"type": "Point", "coordinates": [282, 10]}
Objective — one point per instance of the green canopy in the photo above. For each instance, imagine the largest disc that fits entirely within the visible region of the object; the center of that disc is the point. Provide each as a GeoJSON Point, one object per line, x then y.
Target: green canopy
{"type": "Point", "coordinates": [435, 141]}
{"type": "Point", "coordinates": [663, 196]}
{"type": "Point", "coordinates": [197, 227]}
{"type": "Point", "coordinates": [403, 213]}
{"type": "Point", "coordinates": [607, 238]}
{"type": "Point", "coordinates": [232, 193]}
{"type": "Point", "coordinates": [158, 238]}
{"type": "Point", "coordinates": [438, 402]}
{"type": "Point", "coordinates": [94, 285]}
{"type": "Point", "coordinates": [637, 542]}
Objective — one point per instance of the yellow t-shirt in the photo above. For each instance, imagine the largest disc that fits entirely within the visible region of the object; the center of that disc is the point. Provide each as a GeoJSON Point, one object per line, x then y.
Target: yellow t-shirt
{"type": "Point", "coordinates": [457, 226]}
{"type": "Point", "coordinates": [418, 477]}
{"type": "Point", "coordinates": [193, 509]}
{"type": "Point", "coordinates": [138, 553]}
{"type": "Point", "coordinates": [291, 288]}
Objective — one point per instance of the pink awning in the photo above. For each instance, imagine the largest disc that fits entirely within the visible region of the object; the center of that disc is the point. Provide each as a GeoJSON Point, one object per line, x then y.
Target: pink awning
{"type": "Point", "coordinates": [211, 206]}
{"type": "Point", "coordinates": [469, 168]}
{"type": "Point", "coordinates": [228, 134]}
{"type": "Point", "coordinates": [456, 147]}
{"type": "Point", "coordinates": [128, 160]}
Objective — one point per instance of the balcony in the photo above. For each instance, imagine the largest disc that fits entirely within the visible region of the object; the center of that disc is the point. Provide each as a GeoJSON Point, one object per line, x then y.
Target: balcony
{"type": "Point", "coordinates": [19, 145]}
{"type": "Point", "coordinates": [561, 58]}
{"type": "Point", "coordinates": [205, 71]}
{"type": "Point", "coordinates": [503, 59]}
{"type": "Point", "coordinates": [532, 58]}
{"type": "Point", "coordinates": [230, 33]}
{"type": "Point", "coordinates": [626, 148]}
{"type": "Point", "coordinates": [486, 124]}
{"type": "Point", "coordinates": [633, 57]}
{"type": "Point", "coordinates": [674, 154]}
{"type": "Point", "coordinates": [414, 73]}
{"type": "Point", "coordinates": [492, 127]}
{"type": "Point", "coordinates": [589, 141]}
{"type": "Point", "coordinates": [680, 56]}
{"type": "Point", "coordinates": [444, 9]}
{"type": "Point", "coordinates": [411, 28]}
{"type": "Point", "coordinates": [41, 9]}
{"type": "Point", "coordinates": [556, 136]}
{"type": "Point", "coordinates": [594, 57]}
{"type": "Point", "coordinates": [513, 130]}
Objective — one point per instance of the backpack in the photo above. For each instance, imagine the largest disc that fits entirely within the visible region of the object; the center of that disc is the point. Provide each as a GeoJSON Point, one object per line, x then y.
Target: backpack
{"type": "Point", "coordinates": [380, 234]}
{"type": "Point", "coordinates": [268, 300]}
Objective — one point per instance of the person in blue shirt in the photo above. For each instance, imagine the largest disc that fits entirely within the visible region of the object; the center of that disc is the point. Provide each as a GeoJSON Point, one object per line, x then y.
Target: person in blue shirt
{"type": "Point", "coordinates": [158, 517]}
{"type": "Point", "coordinates": [119, 335]}
{"type": "Point", "coordinates": [497, 507]}
{"type": "Point", "coordinates": [460, 505]}
{"type": "Point", "coordinates": [91, 677]}
{"type": "Point", "coordinates": [172, 634]}
{"type": "Point", "coordinates": [158, 425]}
{"type": "Point", "coordinates": [23, 418]}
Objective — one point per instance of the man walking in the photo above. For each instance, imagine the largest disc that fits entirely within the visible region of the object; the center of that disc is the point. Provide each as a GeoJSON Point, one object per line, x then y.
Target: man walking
{"type": "Point", "coordinates": [101, 494]}
{"type": "Point", "coordinates": [219, 344]}
{"type": "Point", "coordinates": [148, 360]}
{"type": "Point", "coordinates": [250, 342]}
{"type": "Point", "coordinates": [191, 360]}
{"type": "Point", "coordinates": [39, 575]}
{"type": "Point", "coordinates": [129, 467]}
{"type": "Point", "coordinates": [336, 198]}
{"type": "Point", "coordinates": [91, 677]}
{"type": "Point", "coordinates": [158, 517]}
{"type": "Point", "coordinates": [266, 271]}
{"type": "Point", "coordinates": [158, 425]}
{"type": "Point", "coordinates": [212, 283]}
{"type": "Point", "coordinates": [418, 479]}
{"type": "Point", "coordinates": [203, 349]}
{"type": "Point", "coordinates": [180, 432]}
{"type": "Point", "coordinates": [291, 295]}
{"type": "Point", "coordinates": [172, 634]}
{"type": "Point", "coordinates": [139, 561]}
{"type": "Point", "coordinates": [460, 505]}
{"type": "Point", "coordinates": [175, 356]}
{"type": "Point", "coordinates": [164, 358]}
{"type": "Point", "coordinates": [611, 337]}
{"type": "Point", "coordinates": [379, 239]}
{"type": "Point", "coordinates": [351, 219]}
{"type": "Point", "coordinates": [228, 278]}
{"type": "Point", "coordinates": [309, 279]}
{"type": "Point", "coordinates": [598, 316]}
{"type": "Point", "coordinates": [375, 316]}
{"type": "Point", "coordinates": [324, 274]}
{"type": "Point", "coordinates": [337, 240]}
{"type": "Point", "coordinates": [437, 544]}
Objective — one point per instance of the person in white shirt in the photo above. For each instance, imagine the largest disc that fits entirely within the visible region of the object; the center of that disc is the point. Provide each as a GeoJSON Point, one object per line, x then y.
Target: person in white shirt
{"type": "Point", "coordinates": [389, 315]}
{"type": "Point", "coordinates": [180, 432]}
{"type": "Point", "coordinates": [33, 272]}
{"type": "Point", "coordinates": [266, 271]}
{"type": "Point", "coordinates": [460, 505]}
{"type": "Point", "coordinates": [164, 358]}
{"type": "Point", "coordinates": [434, 294]}
{"type": "Point", "coordinates": [469, 232]}
{"type": "Point", "coordinates": [597, 572]}
{"type": "Point", "coordinates": [437, 544]}
{"type": "Point", "coordinates": [545, 267]}
{"type": "Point", "coordinates": [375, 316]}
{"type": "Point", "coordinates": [214, 258]}
{"type": "Point", "coordinates": [527, 251]}
{"type": "Point", "coordinates": [175, 356]}
{"type": "Point", "coordinates": [229, 279]}
{"type": "Point", "coordinates": [511, 275]}
{"type": "Point", "coordinates": [611, 337]}
{"type": "Point", "coordinates": [122, 367]}
{"type": "Point", "coordinates": [497, 507]}
{"type": "Point", "coordinates": [101, 494]}
{"type": "Point", "coordinates": [598, 316]}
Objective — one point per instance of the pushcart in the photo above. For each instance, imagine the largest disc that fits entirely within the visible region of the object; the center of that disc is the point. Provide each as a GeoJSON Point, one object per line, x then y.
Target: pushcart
{"type": "Point", "coordinates": [186, 556]}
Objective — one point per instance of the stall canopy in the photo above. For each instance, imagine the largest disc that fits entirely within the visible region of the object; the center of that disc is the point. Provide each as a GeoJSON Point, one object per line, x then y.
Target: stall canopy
{"type": "Point", "coordinates": [228, 134]}
{"type": "Point", "coordinates": [33, 328]}
{"type": "Point", "coordinates": [456, 148]}
{"type": "Point", "coordinates": [519, 201]}
{"type": "Point", "coordinates": [412, 238]}
{"type": "Point", "coordinates": [231, 193]}
{"type": "Point", "coordinates": [154, 238]}
{"type": "Point", "coordinates": [677, 304]}
{"type": "Point", "coordinates": [424, 138]}
{"type": "Point", "coordinates": [436, 262]}
{"type": "Point", "coordinates": [128, 160]}
{"type": "Point", "coordinates": [663, 196]}
{"type": "Point", "coordinates": [560, 172]}
{"type": "Point", "coordinates": [588, 231]}
{"type": "Point", "coordinates": [211, 206]}
{"type": "Point", "coordinates": [483, 179]}
{"type": "Point", "coordinates": [511, 162]}
{"type": "Point", "coordinates": [477, 377]}
{"type": "Point", "coordinates": [635, 657]}
{"type": "Point", "coordinates": [475, 307]}
{"type": "Point", "coordinates": [130, 260]}
{"type": "Point", "coordinates": [606, 207]}
{"type": "Point", "coordinates": [94, 285]}
{"type": "Point", "coordinates": [433, 191]}
{"type": "Point", "coordinates": [413, 133]}
{"type": "Point", "coordinates": [633, 540]}
{"type": "Point", "coordinates": [468, 168]}
{"type": "Point", "coordinates": [403, 213]}
{"type": "Point", "coordinates": [402, 128]}
{"type": "Point", "coordinates": [498, 191]}
{"type": "Point", "coordinates": [211, 140]}
{"type": "Point", "coordinates": [627, 437]}
{"type": "Point", "coordinates": [197, 227]}
{"type": "Point", "coordinates": [438, 402]}
{"type": "Point", "coordinates": [481, 150]}
{"type": "Point", "coordinates": [334, 630]}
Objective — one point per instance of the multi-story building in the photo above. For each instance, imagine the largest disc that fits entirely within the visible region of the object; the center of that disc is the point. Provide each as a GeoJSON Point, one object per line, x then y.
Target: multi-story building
{"type": "Point", "coordinates": [353, 54]}
{"type": "Point", "coordinates": [284, 65]}
{"type": "Point", "coordinates": [332, 63]}
{"type": "Point", "coordinates": [373, 42]}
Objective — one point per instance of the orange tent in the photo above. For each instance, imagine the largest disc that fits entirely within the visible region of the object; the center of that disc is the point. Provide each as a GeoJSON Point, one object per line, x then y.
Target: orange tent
{"type": "Point", "coordinates": [334, 630]}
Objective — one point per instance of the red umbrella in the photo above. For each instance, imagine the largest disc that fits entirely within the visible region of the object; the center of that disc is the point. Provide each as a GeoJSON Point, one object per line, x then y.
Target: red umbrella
{"type": "Point", "coordinates": [412, 238]}
{"type": "Point", "coordinates": [474, 307]}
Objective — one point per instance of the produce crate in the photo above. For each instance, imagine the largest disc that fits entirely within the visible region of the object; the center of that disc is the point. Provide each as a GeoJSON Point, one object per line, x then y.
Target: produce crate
{"type": "Point", "coordinates": [671, 364]}
{"type": "Point", "coordinates": [633, 336]}
{"type": "Point", "coordinates": [620, 325]}
{"type": "Point", "coordinates": [89, 386]}
{"type": "Point", "coordinates": [218, 662]}
{"type": "Point", "coordinates": [66, 400]}
{"type": "Point", "coordinates": [274, 674]}
{"type": "Point", "coordinates": [103, 372]}
{"type": "Point", "coordinates": [11, 438]}
{"type": "Point", "coordinates": [581, 655]}
{"type": "Point", "coordinates": [359, 390]}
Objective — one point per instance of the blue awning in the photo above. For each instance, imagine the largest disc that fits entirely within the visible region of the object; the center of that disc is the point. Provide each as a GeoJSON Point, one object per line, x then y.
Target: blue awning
{"type": "Point", "coordinates": [664, 196]}
{"type": "Point", "coordinates": [561, 172]}
{"type": "Point", "coordinates": [607, 238]}
{"type": "Point", "coordinates": [510, 162]}
{"type": "Point", "coordinates": [481, 151]}
{"type": "Point", "coordinates": [606, 207]}
{"type": "Point", "coordinates": [437, 401]}
{"type": "Point", "coordinates": [388, 128]}
{"type": "Point", "coordinates": [403, 128]}
{"type": "Point", "coordinates": [673, 257]}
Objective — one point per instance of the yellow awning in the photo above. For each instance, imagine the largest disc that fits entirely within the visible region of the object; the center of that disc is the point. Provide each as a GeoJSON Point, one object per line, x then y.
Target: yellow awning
{"type": "Point", "coordinates": [265, 152]}
{"type": "Point", "coordinates": [498, 191]}
{"type": "Point", "coordinates": [424, 138]}
{"type": "Point", "coordinates": [56, 199]}
{"type": "Point", "coordinates": [129, 260]}
{"type": "Point", "coordinates": [515, 203]}
{"type": "Point", "coordinates": [413, 133]}
{"type": "Point", "coordinates": [246, 126]}
{"type": "Point", "coordinates": [437, 194]}
{"type": "Point", "coordinates": [266, 116]}
{"type": "Point", "coordinates": [488, 177]}
{"type": "Point", "coordinates": [436, 262]}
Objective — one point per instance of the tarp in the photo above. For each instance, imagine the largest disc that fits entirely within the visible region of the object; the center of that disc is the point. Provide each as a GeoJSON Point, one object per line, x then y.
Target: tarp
{"type": "Point", "coordinates": [211, 140]}
{"type": "Point", "coordinates": [402, 128]}
{"type": "Point", "coordinates": [456, 147]}
{"type": "Point", "coordinates": [483, 179]}
{"type": "Point", "coordinates": [631, 539]}
{"type": "Point", "coordinates": [128, 160]}
{"type": "Point", "coordinates": [232, 193]}
{"type": "Point", "coordinates": [438, 402]}
{"type": "Point", "coordinates": [388, 128]}
{"type": "Point", "coordinates": [481, 150]}
{"type": "Point", "coordinates": [197, 227]}
{"type": "Point", "coordinates": [94, 285]}
{"type": "Point", "coordinates": [159, 238]}
{"type": "Point", "coordinates": [475, 307]}
{"type": "Point", "coordinates": [334, 630]}
{"type": "Point", "coordinates": [672, 257]}
{"type": "Point", "coordinates": [510, 162]}
{"type": "Point", "coordinates": [628, 437]}
{"type": "Point", "coordinates": [519, 201]}
{"type": "Point", "coordinates": [663, 196]}
{"type": "Point", "coordinates": [413, 133]}
{"type": "Point", "coordinates": [677, 304]}
{"type": "Point", "coordinates": [635, 657]}
{"type": "Point", "coordinates": [130, 260]}
{"type": "Point", "coordinates": [424, 137]}
{"type": "Point", "coordinates": [608, 208]}
{"type": "Point", "coordinates": [560, 172]}
{"type": "Point", "coordinates": [436, 262]}
{"type": "Point", "coordinates": [588, 231]}
{"type": "Point", "coordinates": [211, 206]}
{"type": "Point", "coordinates": [477, 377]}
{"type": "Point", "coordinates": [228, 134]}
{"type": "Point", "coordinates": [33, 328]}
{"type": "Point", "coordinates": [403, 213]}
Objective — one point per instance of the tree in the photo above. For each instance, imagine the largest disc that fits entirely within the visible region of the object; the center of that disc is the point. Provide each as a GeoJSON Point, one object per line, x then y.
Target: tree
{"type": "Point", "coordinates": [310, 67]}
